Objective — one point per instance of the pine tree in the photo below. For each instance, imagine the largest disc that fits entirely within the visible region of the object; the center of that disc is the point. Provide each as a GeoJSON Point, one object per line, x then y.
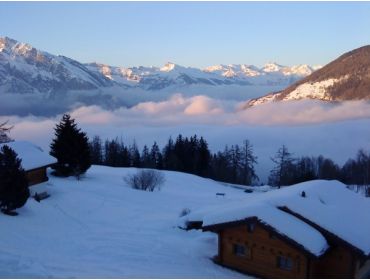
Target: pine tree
{"type": "Point", "coordinates": [71, 148]}
{"type": "Point", "coordinates": [168, 155]}
{"type": "Point", "coordinates": [156, 156]}
{"type": "Point", "coordinates": [13, 181]}
{"type": "Point", "coordinates": [146, 161]}
{"type": "Point", "coordinates": [96, 150]}
{"type": "Point", "coordinates": [204, 158]}
{"type": "Point", "coordinates": [135, 155]}
{"type": "Point", "coordinates": [111, 155]}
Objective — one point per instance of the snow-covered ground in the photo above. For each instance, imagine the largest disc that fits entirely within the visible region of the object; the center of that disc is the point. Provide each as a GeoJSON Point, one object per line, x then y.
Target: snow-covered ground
{"type": "Point", "coordinates": [101, 228]}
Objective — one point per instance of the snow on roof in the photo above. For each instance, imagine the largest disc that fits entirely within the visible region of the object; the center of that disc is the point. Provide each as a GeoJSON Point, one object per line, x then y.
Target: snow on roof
{"type": "Point", "coordinates": [283, 223]}
{"type": "Point", "coordinates": [32, 156]}
{"type": "Point", "coordinates": [328, 204]}
{"type": "Point", "coordinates": [333, 207]}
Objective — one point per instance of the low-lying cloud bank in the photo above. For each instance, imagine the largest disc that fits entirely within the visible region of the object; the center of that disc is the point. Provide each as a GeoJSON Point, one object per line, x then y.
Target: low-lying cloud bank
{"type": "Point", "coordinates": [205, 110]}
{"type": "Point", "coordinates": [306, 127]}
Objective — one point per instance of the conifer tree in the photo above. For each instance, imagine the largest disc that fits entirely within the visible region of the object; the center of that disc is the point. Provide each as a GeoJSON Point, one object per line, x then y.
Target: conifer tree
{"type": "Point", "coordinates": [156, 156]}
{"type": "Point", "coordinates": [146, 161]}
{"type": "Point", "coordinates": [13, 181]}
{"type": "Point", "coordinates": [96, 150]}
{"type": "Point", "coordinates": [135, 155]}
{"type": "Point", "coordinates": [204, 158]}
{"type": "Point", "coordinates": [71, 148]}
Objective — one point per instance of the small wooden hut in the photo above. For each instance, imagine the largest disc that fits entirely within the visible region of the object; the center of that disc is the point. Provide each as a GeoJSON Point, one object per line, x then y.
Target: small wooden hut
{"type": "Point", "coordinates": [325, 234]}
{"type": "Point", "coordinates": [34, 160]}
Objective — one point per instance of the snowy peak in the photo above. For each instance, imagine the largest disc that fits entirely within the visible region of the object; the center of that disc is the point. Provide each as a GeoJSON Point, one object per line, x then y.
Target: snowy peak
{"type": "Point", "coordinates": [301, 70]}
{"type": "Point", "coordinates": [346, 78]}
{"type": "Point", "coordinates": [7, 43]}
{"type": "Point", "coordinates": [272, 67]}
{"type": "Point", "coordinates": [169, 66]}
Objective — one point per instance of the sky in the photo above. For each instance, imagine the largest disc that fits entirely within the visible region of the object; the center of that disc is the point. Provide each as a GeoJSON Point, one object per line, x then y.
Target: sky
{"type": "Point", "coordinates": [196, 34]}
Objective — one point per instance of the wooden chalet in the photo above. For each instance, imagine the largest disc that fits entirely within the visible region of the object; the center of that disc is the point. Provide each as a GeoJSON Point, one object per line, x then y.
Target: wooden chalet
{"type": "Point", "coordinates": [285, 236]}
{"type": "Point", "coordinates": [34, 160]}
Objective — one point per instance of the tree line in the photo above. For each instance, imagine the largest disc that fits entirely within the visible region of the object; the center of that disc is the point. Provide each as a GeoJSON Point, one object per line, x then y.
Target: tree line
{"type": "Point", "coordinates": [289, 170]}
{"type": "Point", "coordinates": [235, 164]}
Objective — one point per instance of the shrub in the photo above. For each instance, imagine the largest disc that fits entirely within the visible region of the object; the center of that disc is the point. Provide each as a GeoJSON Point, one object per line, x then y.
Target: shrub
{"type": "Point", "coordinates": [184, 212]}
{"type": "Point", "coordinates": [146, 180]}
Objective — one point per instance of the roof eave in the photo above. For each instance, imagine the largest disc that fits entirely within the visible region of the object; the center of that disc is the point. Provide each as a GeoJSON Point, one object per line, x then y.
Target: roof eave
{"type": "Point", "coordinates": [326, 233]}
{"type": "Point", "coordinates": [39, 167]}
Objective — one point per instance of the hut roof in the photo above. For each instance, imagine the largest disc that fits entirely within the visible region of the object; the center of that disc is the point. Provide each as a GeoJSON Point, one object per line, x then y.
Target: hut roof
{"type": "Point", "coordinates": [32, 156]}
{"type": "Point", "coordinates": [328, 208]}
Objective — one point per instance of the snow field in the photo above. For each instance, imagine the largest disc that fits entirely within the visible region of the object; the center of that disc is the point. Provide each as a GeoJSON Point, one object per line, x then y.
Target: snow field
{"type": "Point", "coordinates": [101, 228]}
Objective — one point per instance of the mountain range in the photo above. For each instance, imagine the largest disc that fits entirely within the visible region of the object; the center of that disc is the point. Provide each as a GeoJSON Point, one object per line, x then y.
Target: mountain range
{"type": "Point", "coordinates": [25, 69]}
{"type": "Point", "coordinates": [345, 78]}
{"type": "Point", "coordinates": [37, 82]}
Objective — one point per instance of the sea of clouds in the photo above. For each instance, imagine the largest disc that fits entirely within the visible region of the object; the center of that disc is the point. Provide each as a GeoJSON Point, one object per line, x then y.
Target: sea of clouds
{"type": "Point", "coordinates": [335, 130]}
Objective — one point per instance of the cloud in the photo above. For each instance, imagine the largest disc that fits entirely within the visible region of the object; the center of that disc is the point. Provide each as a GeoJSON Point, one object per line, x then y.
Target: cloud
{"type": "Point", "coordinates": [306, 127]}
{"type": "Point", "coordinates": [202, 105]}
{"type": "Point", "coordinates": [303, 112]}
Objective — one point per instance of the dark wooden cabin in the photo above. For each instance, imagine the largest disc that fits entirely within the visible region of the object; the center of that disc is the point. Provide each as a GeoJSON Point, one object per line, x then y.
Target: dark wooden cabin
{"type": "Point", "coordinates": [284, 234]}
{"type": "Point", "coordinates": [255, 248]}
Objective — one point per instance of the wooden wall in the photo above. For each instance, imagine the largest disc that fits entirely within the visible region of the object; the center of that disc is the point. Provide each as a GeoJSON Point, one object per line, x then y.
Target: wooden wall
{"type": "Point", "coordinates": [36, 176]}
{"type": "Point", "coordinates": [264, 251]}
{"type": "Point", "coordinates": [338, 262]}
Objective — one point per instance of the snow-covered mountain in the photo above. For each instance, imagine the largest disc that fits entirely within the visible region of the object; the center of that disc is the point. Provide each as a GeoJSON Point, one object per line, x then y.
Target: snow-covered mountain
{"type": "Point", "coordinates": [269, 74]}
{"type": "Point", "coordinates": [25, 69]}
{"type": "Point", "coordinates": [346, 78]}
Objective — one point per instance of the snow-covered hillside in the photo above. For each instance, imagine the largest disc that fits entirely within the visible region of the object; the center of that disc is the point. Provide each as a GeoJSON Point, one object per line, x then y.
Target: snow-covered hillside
{"type": "Point", "coordinates": [100, 227]}
{"type": "Point", "coordinates": [344, 79]}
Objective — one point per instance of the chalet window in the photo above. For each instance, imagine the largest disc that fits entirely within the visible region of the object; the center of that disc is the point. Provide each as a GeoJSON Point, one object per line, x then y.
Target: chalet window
{"type": "Point", "coordinates": [251, 227]}
{"type": "Point", "coordinates": [240, 250]}
{"type": "Point", "coordinates": [285, 263]}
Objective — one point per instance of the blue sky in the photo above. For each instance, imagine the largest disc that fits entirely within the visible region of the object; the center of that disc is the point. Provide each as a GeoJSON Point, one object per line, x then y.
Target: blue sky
{"type": "Point", "coordinates": [190, 33]}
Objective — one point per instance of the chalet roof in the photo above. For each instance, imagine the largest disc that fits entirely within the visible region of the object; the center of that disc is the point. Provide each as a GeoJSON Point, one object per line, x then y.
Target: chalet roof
{"type": "Point", "coordinates": [280, 222]}
{"type": "Point", "coordinates": [328, 207]}
{"type": "Point", "coordinates": [32, 156]}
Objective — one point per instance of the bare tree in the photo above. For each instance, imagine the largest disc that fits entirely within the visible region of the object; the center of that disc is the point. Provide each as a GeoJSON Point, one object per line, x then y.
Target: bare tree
{"type": "Point", "coordinates": [146, 180]}
{"type": "Point", "coordinates": [284, 170]}
{"type": "Point", "coordinates": [248, 162]}
{"type": "Point", "coordinates": [4, 130]}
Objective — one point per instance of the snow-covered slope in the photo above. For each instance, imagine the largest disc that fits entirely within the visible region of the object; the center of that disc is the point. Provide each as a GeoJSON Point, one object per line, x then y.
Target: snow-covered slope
{"type": "Point", "coordinates": [345, 78]}
{"type": "Point", "coordinates": [99, 227]}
